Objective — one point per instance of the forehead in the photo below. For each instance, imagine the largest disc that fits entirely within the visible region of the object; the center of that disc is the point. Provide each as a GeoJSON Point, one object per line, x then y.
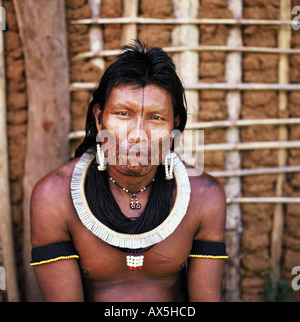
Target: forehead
{"type": "Point", "coordinates": [151, 95]}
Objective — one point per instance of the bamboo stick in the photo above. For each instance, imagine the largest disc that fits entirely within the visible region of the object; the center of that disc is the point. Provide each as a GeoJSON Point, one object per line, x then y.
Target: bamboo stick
{"type": "Point", "coordinates": [227, 146]}
{"type": "Point", "coordinates": [228, 173]}
{"type": "Point", "coordinates": [218, 124]}
{"type": "Point", "coordinates": [232, 185]}
{"type": "Point", "coordinates": [129, 31]}
{"type": "Point", "coordinates": [182, 21]}
{"type": "Point", "coordinates": [187, 62]}
{"type": "Point", "coordinates": [252, 146]}
{"type": "Point", "coordinates": [254, 172]}
{"type": "Point", "coordinates": [6, 228]}
{"type": "Point", "coordinates": [178, 49]}
{"type": "Point", "coordinates": [228, 48]}
{"type": "Point", "coordinates": [241, 123]}
{"type": "Point", "coordinates": [284, 40]}
{"type": "Point", "coordinates": [78, 86]}
{"type": "Point", "coordinates": [276, 200]}
{"type": "Point", "coordinates": [244, 86]}
{"type": "Point", "coordinates": [95, 35]}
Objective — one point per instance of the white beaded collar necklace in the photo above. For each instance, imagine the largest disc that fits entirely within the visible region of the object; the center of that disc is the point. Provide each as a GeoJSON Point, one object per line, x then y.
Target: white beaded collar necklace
{"type": "Point", "coordinates": [130, 241]}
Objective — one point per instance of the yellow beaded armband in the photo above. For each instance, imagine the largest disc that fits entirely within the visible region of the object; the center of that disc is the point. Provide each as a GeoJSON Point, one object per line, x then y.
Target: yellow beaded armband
{"type": "Point", "coordinates": [208, 249]}
{"type": "Point", "coordinates": [53, 253]}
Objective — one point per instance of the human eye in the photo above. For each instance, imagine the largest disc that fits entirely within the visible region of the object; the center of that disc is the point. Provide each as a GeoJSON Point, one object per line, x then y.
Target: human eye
{"type": "Point", "coordinates": [123, 113]}
{"type": "Point", "coordinates": [156, 118]}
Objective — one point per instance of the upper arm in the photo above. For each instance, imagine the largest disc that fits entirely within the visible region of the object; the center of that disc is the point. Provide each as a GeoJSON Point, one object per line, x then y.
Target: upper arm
{"type": "Point", "coordinates": [47, 223]}
{"type": "Point", "coordinates": [61, 280]}
{"type": "Point", "coordinates": [205, 275]}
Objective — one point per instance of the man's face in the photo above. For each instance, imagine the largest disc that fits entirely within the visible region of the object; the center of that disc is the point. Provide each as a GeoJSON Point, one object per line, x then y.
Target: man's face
{"type": "Point", "coordinates": [139, 118]}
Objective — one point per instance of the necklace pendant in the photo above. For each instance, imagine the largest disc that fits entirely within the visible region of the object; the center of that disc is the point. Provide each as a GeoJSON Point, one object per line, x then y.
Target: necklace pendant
{"type": "Point", "coordinates": [135, 259]}
{"type": "Point", "coordinates": [134, 204]}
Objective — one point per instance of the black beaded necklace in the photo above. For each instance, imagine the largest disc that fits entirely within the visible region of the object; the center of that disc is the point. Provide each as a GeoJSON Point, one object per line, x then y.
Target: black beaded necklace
{"type": "Point", "coordinates": [105, 208]}
{"type": "Point", "coordinates": [134, 203]}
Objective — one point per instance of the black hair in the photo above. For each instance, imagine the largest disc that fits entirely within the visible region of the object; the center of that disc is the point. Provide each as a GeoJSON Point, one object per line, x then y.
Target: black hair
{"type": "Point", "coordinates": [105, 208]}
{"type": "Point", "coordinates": [137, 65]}
{"type": "Point", "coordinates": [140, 66]}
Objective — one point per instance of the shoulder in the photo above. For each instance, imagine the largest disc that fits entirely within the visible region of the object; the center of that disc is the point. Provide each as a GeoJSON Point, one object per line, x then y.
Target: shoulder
{"type": "Point", "coordinates": [205, 188]}
{"type": "Point", "coordinates": [207, 205]}
{"type": "Point", "coordinates": [54, 185]}
{"type": "Point", "coordinates": [51, 205]}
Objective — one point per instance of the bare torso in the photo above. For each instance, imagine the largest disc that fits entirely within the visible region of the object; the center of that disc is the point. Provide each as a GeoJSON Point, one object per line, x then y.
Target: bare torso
{"type": "Point", "coordinates": [104, 273]}
{"type": "Point", "coordinates": [106, 277]}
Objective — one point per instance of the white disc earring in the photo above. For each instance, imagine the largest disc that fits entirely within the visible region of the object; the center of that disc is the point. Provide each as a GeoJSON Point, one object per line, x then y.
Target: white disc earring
{"type": "Point", "coordinates": [169, 165]}
{"type": "Point", "coordinates": [100, 158]}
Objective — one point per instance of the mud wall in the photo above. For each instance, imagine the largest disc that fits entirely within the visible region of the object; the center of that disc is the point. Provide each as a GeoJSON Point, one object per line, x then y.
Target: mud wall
{"type": "Point", "coordinates": [291, 254]}
{"type": "Point", "coordinates": [16, 125]}
{"type": "Point", "coordinates": [257, 218]}
{"type": "Point", "coordinates": [78, 41]}
{"type": "Point", "coordinates": [257, 68]}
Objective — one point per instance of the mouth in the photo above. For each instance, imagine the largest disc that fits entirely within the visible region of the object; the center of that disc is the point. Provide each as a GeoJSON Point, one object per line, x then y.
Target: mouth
{"type": "Point", "coordinates": [123, 153]}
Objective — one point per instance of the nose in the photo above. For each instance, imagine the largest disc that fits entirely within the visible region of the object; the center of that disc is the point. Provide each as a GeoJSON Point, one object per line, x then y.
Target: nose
{"type": "Point", "coordinates": [137, 133]}
{"type": "Point", "coordinates": [137, 136]}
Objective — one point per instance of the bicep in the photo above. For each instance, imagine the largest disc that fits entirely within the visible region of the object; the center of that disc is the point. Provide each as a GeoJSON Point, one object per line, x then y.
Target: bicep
{"type": "Point", "coordinates": [46, 222]}
{"type": "Point", "coordinates": [205, 279]}
{"type": "Point", "coordinates": [205, 274]}
{"type": "Point", "coordinates": [60, 281]}
{"type": "Point", "coordinates": [213, 219]}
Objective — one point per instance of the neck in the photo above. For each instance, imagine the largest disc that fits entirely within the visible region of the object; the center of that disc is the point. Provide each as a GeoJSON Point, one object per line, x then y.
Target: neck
{"type": "Point", "coordinates": [130, 180]}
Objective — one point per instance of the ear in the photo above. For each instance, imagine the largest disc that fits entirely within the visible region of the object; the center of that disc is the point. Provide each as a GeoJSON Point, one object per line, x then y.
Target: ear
{"type": "Point", "coordinates": [97, 112]}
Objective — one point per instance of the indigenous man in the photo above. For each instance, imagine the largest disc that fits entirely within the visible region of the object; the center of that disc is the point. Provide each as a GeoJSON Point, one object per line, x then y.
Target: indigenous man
{"type": "Point", "coordinates": [123, 221]}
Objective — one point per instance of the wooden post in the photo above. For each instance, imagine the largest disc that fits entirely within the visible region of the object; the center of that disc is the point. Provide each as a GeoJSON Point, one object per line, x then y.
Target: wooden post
{"type": "Point", "coordinates": [129, 30]}
{"type": "Point", "coordinates": [6, 230]}
{"type": "Point", "coordinates": [233, 160]}
{"type": "Point", "coordinates": [95, 35]}
{"type": "Point", "coordinates": [187, 64]}
{"type": "Point", "coordinates": [43, 33]}
{"type": "Point", "coordinates": [284, 41]}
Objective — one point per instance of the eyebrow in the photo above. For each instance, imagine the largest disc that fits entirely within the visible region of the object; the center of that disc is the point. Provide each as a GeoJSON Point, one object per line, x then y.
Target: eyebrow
{"type": "Point", "coordinates": [124, 105]}
{"type": "Point", "coordinates": [150, 109]}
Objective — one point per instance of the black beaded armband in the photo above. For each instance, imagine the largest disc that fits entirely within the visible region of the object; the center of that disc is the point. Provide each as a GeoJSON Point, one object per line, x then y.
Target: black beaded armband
{"type": "Point", "coordinates": [208, 249]}
{"type": "Point", "coordinates": [53, 253]}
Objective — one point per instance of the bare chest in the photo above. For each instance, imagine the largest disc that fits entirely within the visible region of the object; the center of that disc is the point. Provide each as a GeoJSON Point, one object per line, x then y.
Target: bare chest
{"type": "Point", "coordinates": [102, 262]}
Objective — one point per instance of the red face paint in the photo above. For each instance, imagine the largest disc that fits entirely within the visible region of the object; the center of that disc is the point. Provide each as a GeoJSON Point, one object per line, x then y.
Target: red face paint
{"type": "Point", "coordinates": [127, 112]}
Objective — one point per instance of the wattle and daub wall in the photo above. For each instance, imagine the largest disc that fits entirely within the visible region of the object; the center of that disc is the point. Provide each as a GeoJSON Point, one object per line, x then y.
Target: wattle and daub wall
{"type": "Point", "coordinates": [256, 218]}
